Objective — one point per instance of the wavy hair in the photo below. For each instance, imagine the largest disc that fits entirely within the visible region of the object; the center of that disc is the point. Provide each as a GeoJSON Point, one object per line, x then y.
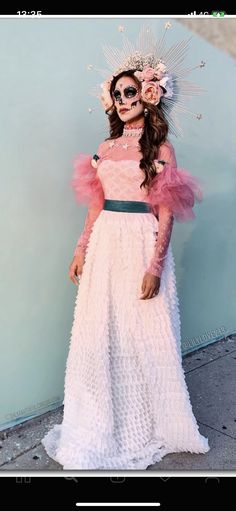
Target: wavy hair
{"type": "Point", "coordinates": [154, 133]}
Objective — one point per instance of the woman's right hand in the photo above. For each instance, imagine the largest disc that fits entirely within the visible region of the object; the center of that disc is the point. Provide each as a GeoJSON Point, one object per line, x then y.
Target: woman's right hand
{"type": "Point", "coordinates": [76, 267]}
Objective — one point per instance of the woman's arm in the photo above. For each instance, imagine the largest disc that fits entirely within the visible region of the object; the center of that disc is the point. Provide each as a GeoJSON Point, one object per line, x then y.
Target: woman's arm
{"type": "Point", "coordinates": [88, 190]}
{"type": "Point", "coordinates": [82, 243]}
{"type": "Point", "coordinates": [166, 221]}
{"type": "Point", "coordinates": [165, 217]}
{"type": "Point", "coordinates": [172, 196]}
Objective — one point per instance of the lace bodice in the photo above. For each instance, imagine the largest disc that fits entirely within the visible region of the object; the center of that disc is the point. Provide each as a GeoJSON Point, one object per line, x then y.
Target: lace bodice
{"type": "Point", "coordinates": [121, 180]}
{"type": "Point", "coordinates": [118, 176]}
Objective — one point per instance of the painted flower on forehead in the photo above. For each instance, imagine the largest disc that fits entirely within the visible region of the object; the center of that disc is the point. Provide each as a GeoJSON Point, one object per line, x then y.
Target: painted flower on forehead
{"type": "Point", "coordinates": [151, 92]}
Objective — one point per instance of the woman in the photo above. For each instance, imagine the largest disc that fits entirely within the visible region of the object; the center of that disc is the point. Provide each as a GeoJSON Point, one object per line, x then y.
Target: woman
{"type": "Point", "coordinates": [126, 402]}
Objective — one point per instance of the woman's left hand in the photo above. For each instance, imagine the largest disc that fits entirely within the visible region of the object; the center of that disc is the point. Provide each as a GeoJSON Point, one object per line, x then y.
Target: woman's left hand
{"type": "Point", "coordinates": [150, 286]}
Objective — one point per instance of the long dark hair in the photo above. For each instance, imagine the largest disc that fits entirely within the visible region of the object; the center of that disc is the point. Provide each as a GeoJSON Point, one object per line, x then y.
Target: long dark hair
{"type": "Point", "coordinates": [154, 133]}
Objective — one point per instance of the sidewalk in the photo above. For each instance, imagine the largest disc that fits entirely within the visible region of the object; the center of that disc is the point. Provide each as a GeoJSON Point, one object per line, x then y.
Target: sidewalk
{"type": "Point", "coordinates": [210, 376]}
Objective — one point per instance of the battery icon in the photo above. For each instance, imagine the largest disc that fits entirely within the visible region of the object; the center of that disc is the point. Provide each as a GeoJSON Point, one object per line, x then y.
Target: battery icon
{"type": "Point", "coordinates": [218, 14]}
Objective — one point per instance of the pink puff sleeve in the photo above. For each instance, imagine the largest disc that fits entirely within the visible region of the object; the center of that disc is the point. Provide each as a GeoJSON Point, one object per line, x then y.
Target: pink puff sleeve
{"type": "Point", "coordinates": [172, 196]}
{"type": "Point", "coordinates": [174, 187]}
{"type": "Point", "coordinates": [88, 190]}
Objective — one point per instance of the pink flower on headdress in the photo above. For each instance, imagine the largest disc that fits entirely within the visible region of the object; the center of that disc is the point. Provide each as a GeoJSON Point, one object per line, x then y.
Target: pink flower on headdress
{"type": "Point", "coordinates": [148, 74]}
{"type": "Point", "coordinates": [151, 92]}
{"type": "Point", "coordinates": [105, 97]}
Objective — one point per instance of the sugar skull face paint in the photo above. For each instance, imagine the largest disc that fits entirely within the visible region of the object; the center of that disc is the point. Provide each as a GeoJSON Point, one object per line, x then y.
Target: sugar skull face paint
{"type": "Point", "coordinates": [129, 92]}
{"type": "Point", "coordinates": [127, 99]}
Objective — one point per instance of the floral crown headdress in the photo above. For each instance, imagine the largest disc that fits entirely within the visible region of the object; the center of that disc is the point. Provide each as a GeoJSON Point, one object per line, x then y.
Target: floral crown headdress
{"type": "Point", "coordinates": [159, 69]}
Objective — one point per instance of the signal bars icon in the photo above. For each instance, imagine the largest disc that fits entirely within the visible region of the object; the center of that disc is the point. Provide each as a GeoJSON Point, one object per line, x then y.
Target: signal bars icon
{"type": "Point", "coordinates": [216, 14]}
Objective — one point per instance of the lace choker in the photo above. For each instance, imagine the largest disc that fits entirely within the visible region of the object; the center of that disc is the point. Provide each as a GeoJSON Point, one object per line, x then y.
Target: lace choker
{"type": "Point", "coordinates": [133, 132]}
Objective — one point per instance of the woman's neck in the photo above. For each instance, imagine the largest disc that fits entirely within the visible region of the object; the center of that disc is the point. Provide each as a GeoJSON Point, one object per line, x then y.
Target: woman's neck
{"type": "Point", "coordinates": [136, 123]}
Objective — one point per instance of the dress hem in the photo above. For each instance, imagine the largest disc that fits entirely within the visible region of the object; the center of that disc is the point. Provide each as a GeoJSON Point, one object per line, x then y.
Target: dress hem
{"type": "Point", "coordinates": [152, 453]}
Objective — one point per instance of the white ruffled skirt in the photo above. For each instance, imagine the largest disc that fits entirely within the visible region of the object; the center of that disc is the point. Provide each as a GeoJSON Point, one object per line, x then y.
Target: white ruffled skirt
{"type": "Point", "coordinates": [126, 403]}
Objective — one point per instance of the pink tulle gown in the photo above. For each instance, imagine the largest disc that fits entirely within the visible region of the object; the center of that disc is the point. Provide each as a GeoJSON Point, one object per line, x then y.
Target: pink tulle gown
{"type": "Point", "coordinates": [126, 403]}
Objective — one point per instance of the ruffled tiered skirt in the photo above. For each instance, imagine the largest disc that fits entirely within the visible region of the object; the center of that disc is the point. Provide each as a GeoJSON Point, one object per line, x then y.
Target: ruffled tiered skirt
{"type": "Point", "coordinates": [126, 403]}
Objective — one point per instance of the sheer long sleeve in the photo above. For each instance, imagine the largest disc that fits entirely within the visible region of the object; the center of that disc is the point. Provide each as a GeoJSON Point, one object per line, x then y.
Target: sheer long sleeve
{"type": "Point", "coordinates": [88, 190]}
{"type": "Point", "coordinates": [172, 196]}
{"type": "Point", "coordinates": [82, 243]}
{"type": "Point", "coordinates": [166, 221]}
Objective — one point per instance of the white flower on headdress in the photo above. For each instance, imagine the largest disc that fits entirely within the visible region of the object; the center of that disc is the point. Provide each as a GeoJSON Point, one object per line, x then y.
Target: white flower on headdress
{"type": "Point", "coordinates": [161, 66]}
{"type": "Point", "coordinates": [160, 71]}
{"type": "Point", "coordinates": [167, 83]}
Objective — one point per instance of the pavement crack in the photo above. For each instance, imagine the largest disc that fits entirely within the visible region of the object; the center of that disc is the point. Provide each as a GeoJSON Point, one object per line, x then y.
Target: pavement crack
{"type": "Point", "coordinates": [209, 362]}
{"type": "Point", "coordinates": [20, 454]}
{"type": "Point", "coordinates": [216, 429]}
